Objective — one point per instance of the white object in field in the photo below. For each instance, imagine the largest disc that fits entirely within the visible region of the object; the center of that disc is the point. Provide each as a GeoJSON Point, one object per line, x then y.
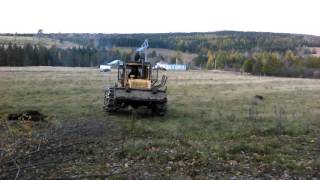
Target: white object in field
{"type": "Point", "coordinates": [181, 67]}
{"type": "Point", "coordinates": [104, 68]}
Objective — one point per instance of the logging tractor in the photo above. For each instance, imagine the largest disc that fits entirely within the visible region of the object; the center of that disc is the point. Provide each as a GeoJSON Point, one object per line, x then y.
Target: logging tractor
{"type": "Point", "coordinates": [138, 85]}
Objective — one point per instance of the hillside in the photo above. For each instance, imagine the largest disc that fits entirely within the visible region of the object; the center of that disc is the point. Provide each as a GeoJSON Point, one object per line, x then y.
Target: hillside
{"type": "Point", "coordinates": [199, 42]}
{"type": "Point", "coordinates": [32, 40]}
{"type": "Point", "coordinates": [166, 54]}
{"type": "Point", "coordinates": [185, 42]}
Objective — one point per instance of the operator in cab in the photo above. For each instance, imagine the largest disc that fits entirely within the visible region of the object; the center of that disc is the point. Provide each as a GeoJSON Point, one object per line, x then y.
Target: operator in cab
{"type": "Point", "coordinates": [135, 73]}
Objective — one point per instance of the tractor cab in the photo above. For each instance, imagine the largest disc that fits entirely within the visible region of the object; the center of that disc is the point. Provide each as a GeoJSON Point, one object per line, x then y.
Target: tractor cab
{"type": "Point", "coordinates": [135, 75]}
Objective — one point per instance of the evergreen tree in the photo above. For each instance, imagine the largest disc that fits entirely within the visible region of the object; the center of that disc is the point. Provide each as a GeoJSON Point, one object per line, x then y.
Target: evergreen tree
{"type": "Point", "coordinates": [10, 55]}
{"type": "Point", "coordinates": [3, 56]}
{"type": "Point", "coordinates": [247, 66]}
{"type": "Point", "coordinates": [19, 55]}
{"type": "Point", "coordinates": [28, 55]}
{"type": "Point", "coordinates": [35, 56]}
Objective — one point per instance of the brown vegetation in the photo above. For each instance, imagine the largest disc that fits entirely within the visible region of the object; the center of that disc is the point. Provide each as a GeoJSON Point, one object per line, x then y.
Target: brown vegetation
{"type": "Point", "coordinates": [217, 125]}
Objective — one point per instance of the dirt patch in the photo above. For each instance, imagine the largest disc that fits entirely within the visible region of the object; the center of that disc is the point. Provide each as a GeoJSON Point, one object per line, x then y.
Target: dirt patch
{"type": "Point", "coordinates": [54, 152]}
{"type": "Point", "coordinates": [29, 115]}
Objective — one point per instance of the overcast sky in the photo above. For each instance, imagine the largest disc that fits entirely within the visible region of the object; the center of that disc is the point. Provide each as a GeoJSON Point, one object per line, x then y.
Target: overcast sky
{"type": "Point", "coordinates": [153, 16]}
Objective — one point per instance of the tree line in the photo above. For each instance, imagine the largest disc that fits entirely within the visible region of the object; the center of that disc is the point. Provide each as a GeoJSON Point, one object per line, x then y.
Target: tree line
{"type": "Point", "coordinates": [199, 42]}
{"type": "Point", "coordinates": [287, 64]}
{"type": "Point", "coordinates": [35, 55]}
{"type": "Point", "coordinates": [263, 53]}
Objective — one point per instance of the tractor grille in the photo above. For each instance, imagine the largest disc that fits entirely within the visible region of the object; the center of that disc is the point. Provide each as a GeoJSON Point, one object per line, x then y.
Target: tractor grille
{"type": "Point", "coordinates": [139, 84]}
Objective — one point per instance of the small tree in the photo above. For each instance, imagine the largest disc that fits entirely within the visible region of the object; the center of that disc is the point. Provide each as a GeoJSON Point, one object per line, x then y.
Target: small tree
{"type": "Point", "coordinates": [247, 66]}
{"type": "Point", "coordinates": [257, 63]}
{"type": "Point", "coordinates": [289, 58]}
{"type": "Point", "coordinates": [210, 61]}
{"type": "Point", "coordinates": [176, 58]}
{"type": "Point", "coordinates": [220, 59]}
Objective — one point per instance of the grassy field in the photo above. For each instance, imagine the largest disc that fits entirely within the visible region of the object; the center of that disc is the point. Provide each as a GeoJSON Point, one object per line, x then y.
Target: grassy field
{"type": "Point", "coordinates": [214, 127]}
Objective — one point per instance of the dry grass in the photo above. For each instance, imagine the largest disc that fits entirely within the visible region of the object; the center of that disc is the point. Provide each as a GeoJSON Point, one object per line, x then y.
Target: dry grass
{"type": "Point", "coordinates": [214, 126]}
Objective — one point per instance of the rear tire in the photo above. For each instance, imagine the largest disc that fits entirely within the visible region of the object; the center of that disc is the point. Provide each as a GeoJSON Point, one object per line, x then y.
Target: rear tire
{"type": "Point", "coordinates": [160, 109]}
{"type": "Point", "coordinates": [109, 100]}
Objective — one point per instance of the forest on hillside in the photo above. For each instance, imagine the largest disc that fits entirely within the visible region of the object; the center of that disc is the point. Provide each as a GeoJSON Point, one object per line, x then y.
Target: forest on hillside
{"type": "Point", "coordinates": [199, 42]}
{"type": "Point", "coordinates": [34, 55]}
{"type": "Point", "coordinates": [262, 53]}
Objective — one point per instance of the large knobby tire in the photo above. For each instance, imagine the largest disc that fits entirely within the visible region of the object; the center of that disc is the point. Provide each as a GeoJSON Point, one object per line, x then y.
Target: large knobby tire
{"type": "Point", "coordinates": [160, 108]}
{"type": "Point", "coordinates": [163, 109]}
{"type": "Point", "coordinates": [109, 100]}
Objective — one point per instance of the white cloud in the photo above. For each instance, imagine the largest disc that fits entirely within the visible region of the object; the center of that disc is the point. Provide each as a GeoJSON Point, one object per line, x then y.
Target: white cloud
{"type": "Point", "coordinates": [148, 16]}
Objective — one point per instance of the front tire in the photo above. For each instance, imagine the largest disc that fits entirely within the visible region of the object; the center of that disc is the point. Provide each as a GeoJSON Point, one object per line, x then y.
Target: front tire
{"type": "Point", "coordinates": [109, 100]}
